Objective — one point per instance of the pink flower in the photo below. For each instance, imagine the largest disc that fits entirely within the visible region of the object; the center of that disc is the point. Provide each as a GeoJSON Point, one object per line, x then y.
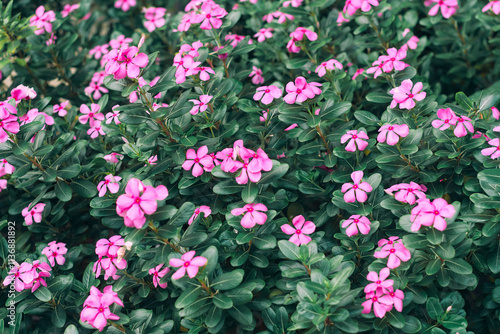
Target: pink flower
{"type": "Point", "coordinates": [266, 94]}
{"type": "Point", "coordinates": [392, 132]}
{"type": "Point", "coordinates": [253, 214]}
{"type": "Point", "coordinates": [113, 116]}
{"type": "Point", "coordinates": [380, 302]}
{"type": "Point", "coordinates": [356, 139]}
{"type": "Point", "coordinates": [263, 118]}
{"type": "Point", "coordinates": [203, 73]}
{"type": "Point", "coordinates": [380, 283]}
{"type": "Point", "coordinates": [68, 9]}
{"type": "Point", "coordinates": [264, 34]}
{"type": "Point", "coordinates": [105, 247]}
{"type": "Point", "coordinates": [405, 95]}
{"type": "Point", "coordinates": [245, 173]}
{"type": "Point", "coordinates": [158, 274]}
{"type": "Point", "coordinates": [396, 252]}
{"type": "Point", "coordinates": [406, 192]}
{"type": "Point", "coordinates": [494, 6]}
{"type": "Point", "coordinates": [299, 231]}
{"type": "Point", "coordinates": [33, 214]}
{"type": "Point", "coordinates": [356, 223]}
{"type": "Point", "coordinates": [153, 160]}
{"type": "Point", "coordinates": [292, 47]}
{"type": "Point", "coordinates": [463, 123]}
{"type": "Point", "coordinates": [120, 42]}
{"type": "Point", "coordinates": [110, 183]}
{"type": "Point", "coordinates": [377, 68]}
{"type": "Point", "coordinates": [412, 43]}
{"type": "Point", "coordinates": [131, 63]}
{"type": "Point", "coordinates": [32, 114]}
{"type": "Point", "coordinates": [22, 92]}
{"type": "Point", "coordinates": [396, 298]}
{"type": "Point", "coordinates": [55, 252]}
{"type": "Point", "coordinates": [341, 19]}
{"type": "Point", "coordinates": [198, 159]}
{"type": "Point", "coordinates": [60, 109]}
{"type": "Point", "coordinates": [260, 161]}
{"type": "Point", "coordinates": [494, 111]}
{"type": "Point", "coordinates": [94, 89]}
{"type": "Point", "coordinates": [210, 16]}
{"type": "Point", "coordinates": [191, 49]}
{"type": "Point", "coordinates": [92, 115]}
{"type": "Point", "coordinates": [301, 90]}
{"type": "Point", "coordinates": [41, 20]}
{"type": "Point", "coordinates": [125, 4]}
{"type": "Point", "coordinates": [393, 60]}
{"type": "Point", "coordinates": [236, 39]}
{"type": "Point", "coordinates": [299, 33]}
{"type": "Point", "coordinates": [51, 40]}
{"type": "Point", "coordinates": [39, 271]}
{"type": "Point", "coordinates": [155, 18]}
{"type": "Point", "coordinates": [494, 151]}
{"type": "Point", "coordinates": [256, 75]}
{"type": "Point", "coordinates": [431, 214]}
{"type": "Point", "coordinates": [99, 50]}
{"type": "Point", "coordinates": [22, 275]}
{"type": "Point", "coordinates": [187, 263]}
{"type": "Point", "coordinates": [282, 17]}
{"type": "Point", "coordinates": [96, 307]}
{"type": "Point", "coordinates": [6, 168]}
{"type": "Point", "coordinates": [137, 201]}
{"type": "Point", "coordinates": [294, 3]}
{"type": "Point", "coordinates": [96, 130]}
{"type": "Point", "coordinates": [200, 105]}
{"type": "Point", "coordinates": [291, 127]}
{"type": "Point", "coordinates": [356, 191]}
{"type": "Point", "coordinates": [6, 109]}
{"type": "Point", "coordinates": [8, 123]}
{"type": "Point", "coordinates": [358, 72]}
{"type": "Point", "coordinates": [113, 157]}
{"type": "Point", "coordinates": [448, 7]}
{"type": "Point", "coordinates": [206, 212]}
{"type": "Point", "coordinates": [328, 65]}
{"type": "Point", "coordinates": [446, 118]}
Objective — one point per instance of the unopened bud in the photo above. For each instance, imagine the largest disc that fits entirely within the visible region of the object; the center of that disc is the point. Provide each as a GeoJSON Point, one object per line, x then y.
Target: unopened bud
{"type": "Point", "coordinates": [120, 254]}
{"type": "Point", "coordinates": [448, 309]}
{"type": "Point", "coordinates": [128, 245]}
{"type": "Point", "coordinates": [143, 38]}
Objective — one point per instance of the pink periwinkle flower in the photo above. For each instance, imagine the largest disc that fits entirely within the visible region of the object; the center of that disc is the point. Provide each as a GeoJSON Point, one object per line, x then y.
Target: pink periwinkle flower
{"type": "Point", "coordinates": [266, 94]}
{"type": "Point", "coordinates": [210, 16]}
{"type": "Point", "coordinates": [113, 116]}
{"type": "Point", "coordinates": [68, 9]}
{"type": "Point", "coordinates": [494, 151]}
{"type": "Point", "coordinates": [95, 89]}
{"type": "Point", "coordinates": [301, 90]}
{"type": "Point", "coordinates": [446, 118]}
{"type": "Point", "coordinates": [60, 109]}
{"type": "Point", "coordinates": [138, 201]}
{"type": "Point", "coordinates": [203, 72]}
{"type": "Point", "coordinates": [494, 111]}
{"type": "Point", "coordinates": [155, 18]}
{"type": "Point", "coordinates": [21, 274]}
{"type": "Point", "coordinates": [22, 92]}
{"type": "Point", "coordinates": [6, 168]}
{"type": "Point", "coordinates": [433, 213]}
{"type": "Point", "coordinates": [355, 224]}
{"type": "Point", "coordinates": [113, 157]}
{"type": "Point", "coordinates": [463, 125]}
{"type": "Point", "coordinates": [253, 214]}
{"type": "Point", "coordinates": [407, 192]}
{"type": "Point", "coordinates": [51, 40]}
{"type": "Point", "coordinates": [96, 307]}
{"type": "Point", "coordinates": [8, 124]}
{"type": "Point", "coordinates": [263, 118]}
{"type": "Point", "coordinates": [392, 132]}
{"type": "Point", "coordinates": [158, 273]}
{"type": "Point", "coordinates": [110, 264]}
{"type": "Point", "coordinates": [351, 6]}
{"type": "Point", "coordinates": [191, 49]}
{"type": "Point", "coordinates": [55, 252]}
{"type": "Point", "coordinates": [131, 63]}
{"type": "Point", "coordinates": [125, 4]}
{"type": "Point", "coordinates": [494, 6]}
{"type": "Point", "coordinates": [33, 214]}
{"type": "Point", "coordinates": [197, 159]}
{"type": "Point", "coordinates": [260, 160]}
{"type": "Point", "coordinates": [380, 301]}
{"type": "Point", "coordinates": [6, 109]}
{"type": "Point", "coordinates": [356, 138]}
{"type": "Point", "coordinates": [406, 94]}
{"type": "Point", "coordinates": [152, 160]}
{"type": "Point", "coordinates": [328, 65]}
{"type": "Point", "coordinates": [448, 7]}
{"type": "Point", "coordinates": [393, 60]}
{"type": "Point", "coordinates": [292, 47]}
{"type": "Point", "coordinates": [282, 17]}
{"type": "Point", "coordinates": [394, 250]}
{"type": "Point", "coordinates": [291, 127]}
{"type": "Point", "coordinates": [39, 271]}
{"type": "Point", "coordinates": [235, 39]}
{"type": "Point", "coordinates": [293, 3]}
{"type": "Point", "coordinates": [256, 75]}
{"type": "Point", "coordinates": [110, 183]}
{"type": "Point", "coordinates": [341, 19]}
{"type": "Point", "coordinates": [42, 20]}
{"type": "Point", "coordinates": [357, 190]}
{"type": "Point", "coordinates": [120, 42]}
{"type": "Point", "coordinates": [299, 33]}
{"type": "Point", "coordinates": [185, 66]}
{"type": "Point", "coordinates": [96, 130]}
{"type": "Point", "coordinates": [263, 34]}
{"type": "Point", "coordinates": [92, 115]}
{"type": "Point", "coordinates": [187, 263]}
{"type": "Point", "coordinates": [32, 114]}
{"type": "Point", "coordinates": [358, 72]}
{"type": "Point", "coordinates": [299, 231]}
{"type": "Point", "coordinates": [377, 68]}
{"type": "Point", "coordinates": [201, 209]}
{"type": "Point", "coordinates": [105, 247]}
{"type": "Point", "coordinates": [379, 281]}
{"type": "Point", "coordinates": [99, 50]}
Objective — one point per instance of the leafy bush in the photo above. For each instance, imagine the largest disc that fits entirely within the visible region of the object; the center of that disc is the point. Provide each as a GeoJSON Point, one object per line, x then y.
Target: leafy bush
{"type": "Point", "coordinates": [256, 166]}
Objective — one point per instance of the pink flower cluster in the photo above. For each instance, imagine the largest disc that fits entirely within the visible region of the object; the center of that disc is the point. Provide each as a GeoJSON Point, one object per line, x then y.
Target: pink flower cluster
{"type": "Point", "coordinates": [394, 250]}
{"type": "Point", "coordinates": [155, 18]}
{"type": "Point", "coordinates": [185, 64]}
{"type": "Point", "coordinates": [8, 121]}
{"type": "Point", "coordinates": [134, 96]}
{"type": "Point", "coordinates": [447, 118]}
{"type": "Point", "coordinates": [380, 294]}
{"type": "Point", "coordinates": [407, 192]}
{"type": "Point", "coordinates": [109, 259]}
{"type": "Point", "coordinates": [494, 6]}
{"type": "Point", "coordinates": [448, 7]}
{"type": "Point", "coordinates": [351, 6]}
{"type": "Point", "coordinates": [329, 65]}
{"type": "Point", "coordinates": [282, 17]}
{"type": "Point", "coordinates": [427, 213]}
{"type": "Point", "coordinates": [125, 4]}
{"type": "Point", "coordinates": [207, 13]}
{"type": "Point", "coordinates": [298, 232]}
{"type": "Point", "coordinates": [139, 200]}
{"type": "Point", "coordinates": [22, 92]}
{"type": "Point", "coordinates": [94, 117]}
{"type": "Point", "coordinates": [55, 252]}
{"type": "Point", "coordinates": [96, 87]}
{"type": "Point", "coordinates": [96, 307]}
{"type": "Point", "coordinates": [298, 35]}
{"type": "Point", "coordinates": [125, 62]}
{"type": "Point", "coordinates": [386, 64]}
{"type": "Point", "coordinates": [406, 94]}
{"type": "Point", "coordinates": [42, 20]}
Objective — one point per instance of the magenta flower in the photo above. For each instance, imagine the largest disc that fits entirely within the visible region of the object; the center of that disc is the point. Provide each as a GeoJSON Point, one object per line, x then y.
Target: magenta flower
{"type": "Point", "coordinates": [203, 208]}
{"type": "Point", "coordinates": [8, 123]}
{"type": "Point", "coordinates": [68, 9]}
{"type": "Point", "coordinates": [494, 111]}
{"type": "Point", "coordinates": [22, 92]}
{"type": "Point", "coordinates": [299, 33]}
{"type": "Point", "coordinates": [328, 65]}
{"type": "Point", "coordinates": [263, 34]}
{"type": "Point", "coordinates": [92, 115]}
{"type": "Point", "coordinates": [200, 105]}
{"type": "Point", "coordinates": [396, 252]}
{"type": "Point", "coordinates": [494, 151]}
{"type": "Point", "coordinates": [301, 90]}
{"type": "Point", "coordinates": [358, 72]}
{"type": "Point", "coordinates": [110, 265]}
{"type": "Point", "coordinates": [187, 263]}
{"type": "Point", "coordinates": [245, 173]}
{"type": "Point", "coordinates": [392, 132]}
{"type": "Point", "coordinates": [395, 298]}
{"type": "Point", "coordinates": [356, 138]}
{"type": "Point", "coordinates": [113, 157]}
{"type": "Point", "coordinates": [381, 304]}
{"type": "Point", "coordinates": [356, 191]}
{"type": "Point", "coordinates": [198, 159]}
{"type": "Point", "coordinates": [341, 19]}
{"type": "Point", "coordinates": [60, 109]}
{"type": "Point", "coordinates": [266, 94]}
{"type": "Point", "coordinates": [260, 160]}
{"type": "Point", "coordinates": [377, 68]}
{"type": "Point", "coordinates": [137, 201]}
{"type": "Point", "coordinates": [39, 271]}
{"type": "Point", "coordinates": [110, 183]}
{"type": "Point", "coordinates": [431, 214]}
{"type": "Point", "coordinates": [96, 130]}
{"type": "Point", "coordinates": [203, 73]}
{"type": "Point", "coordinates": [131, 63]}
{"type": "Point", "coordinates": [256, 75]}
{"type": "Point", "coordinates": [393, 60]}
{"type": "Point", "coordinates": [448, 7]}
{"type": "Point", "coordinates": [55, 252]}
{"type": "Point", "coordinates": [253, 214]}
{"type": "Point", "coordinates": [6, 168]}
{"type": "Point", "coordinates": [380, 283]}
{"type": "Point", "coordinates": [32, 114]}
{"type": "Point", "coordinates": [299, 231]}
{"type": "Point", "coordinates": [158, 274]}
{"type": "Point", "coordinates": [155, 18]}
{"type": "Point", "coordinates": [120, 42]}
{"type": "Point", "coordinates": [96, 307]}
{"type": "Point", "coordinates": [35, 214]}
{"type": "Point", "coordinates": [95, 89]}
{"type": "Point", "coordinates": [294, 3]}
{"type": "Point", "coordinates": [446, 118]}
{"type": "Point", "coordinates": [494, 6]}
{"type": "Point", "coordinates": [105, 247]}
{"type": "Point", "coordinates": [191, 49]}
{"type": "Point", "coordinates": [210, 16]}
{"type": "Point", "coordinates": [406, 192]}
{"type": "Point", "coordinates": [356, 223]}
{"type": "Point", "coordinates": [113, 116]}
{"type": "Point", "coordinates": [99, 50]}
{"type": "Point", "coordinates": [405, 95]}
{"type": "Point", "coordinates": [22, 275]}
{"type": "Point", "coordinates": [42, 20]}
{"type": "Point", "coordinates": [463, 123]}
{"type": "Point", "coordinates": [3, 184]}
{"type": "Point", "coordinates": [6, 109]}
{"type": "Point", "coordinates": [125, 4]}
{"type": "Point", "coordinates": [291, 127]}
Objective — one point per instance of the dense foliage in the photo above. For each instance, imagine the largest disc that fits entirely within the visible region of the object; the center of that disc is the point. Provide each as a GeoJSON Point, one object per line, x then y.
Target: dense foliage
{"type": "Point", "coordinates": [254, 166]}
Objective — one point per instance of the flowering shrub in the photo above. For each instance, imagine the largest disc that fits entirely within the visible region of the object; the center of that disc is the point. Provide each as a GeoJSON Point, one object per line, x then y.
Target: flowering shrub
{"type": "Point", "coordinates": [226, 166]}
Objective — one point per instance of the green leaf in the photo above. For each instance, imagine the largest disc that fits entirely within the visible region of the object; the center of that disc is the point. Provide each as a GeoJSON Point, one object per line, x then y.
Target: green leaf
{"type": "Point", "coordinates": [488, 101]}
{"type": "Point", "coordinates": [445, 251]}
{"type": "Point", "coordinates": [489, 179]}
{"type": "Point", "coordinates": [140, 318]}
{"type": "Point", "coordinates": [459, 266]}
{"type": "Point", "coordinates": [366, 117]}
{"type": "Point", "coordinates": [227, 188]}
{"type": "Point", "coordinates": [305, 294]}
{"type": "Point", "coordinates": [433, 267]}
{"type": "Point", "coordinates": [493, 259]}
{"type": "Point", "coordinates": [84, 188]}
{"type": "Point", "coordinates": [378, 97]}
{"type": "Point", "coordinates": [264, 241]}
{"type": "Point", "coordinates": [63, 191]}
{"type": "Point", "coordinates": [412, 325]}
{"type": "Point", "coordinates": [188, 297]}
{"type": "Point", "coordinates": [434, 308]}
{"type": "Point", "coordinates": [454, 322]}
{"type": "Point", "coordinates": [289, 249]}
{"type": "Point", "coordinates": [58, 316]}
{"type": "Point", "coordinates": [213, 316]}
{"type": "Point", "coordinates": [71, 329]}
{"type": "Point", "coordinates": [212, 256]}
{"type": "Point", "coordinates": [396, 319]}
{"type": "Point", "coordinates": [341, 277]}
{"type": "Point", "coordinates": [464, 101]}
{"type": "Point", "coordinates": [277, 172]}
{"type": "Point", "coordinates": [331, 111]}
{"type": "Point", "coordinates": [43, 294]}
{"type": "Point", "coordinates": [241, 314]}
{"type": "Point", "coordinates": [222, 301]}
{"type": "Point", "coordinates": [249, 192]}
{"type": "Point", "coordinates": [228, 281]}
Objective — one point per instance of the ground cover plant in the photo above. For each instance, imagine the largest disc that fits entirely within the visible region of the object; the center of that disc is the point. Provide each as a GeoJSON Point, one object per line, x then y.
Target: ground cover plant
{"type": "Point", "coordinates": [251, 166]}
